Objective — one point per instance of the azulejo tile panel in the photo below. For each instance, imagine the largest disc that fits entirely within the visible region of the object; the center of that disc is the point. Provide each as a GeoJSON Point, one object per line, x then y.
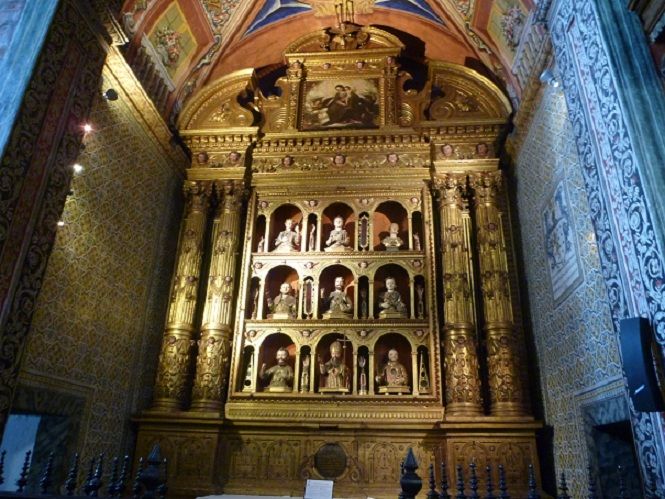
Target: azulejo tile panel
{"type": "Point", "coordinates": [109, 270]}
{"type": "Point", "coordinates": [575, 340]}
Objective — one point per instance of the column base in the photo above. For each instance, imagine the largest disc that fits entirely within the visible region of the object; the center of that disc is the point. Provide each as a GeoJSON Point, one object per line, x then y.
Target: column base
{"type": "Point", "coordinates": [206, 406]}
{"type": "Point", "coordinates": [166, 405]}
{"type": "Point", "coordinates": [463, 410]}
{"type": "Point", "coordinates": [509, 410]}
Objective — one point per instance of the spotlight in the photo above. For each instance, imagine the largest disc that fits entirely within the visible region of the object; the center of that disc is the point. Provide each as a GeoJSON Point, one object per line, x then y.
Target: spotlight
{"type": "Point", "coordinates": [110, 94]}
{"type": "Point", "coordinates": [61, 223]}
{"type": "Point", "coordinates": [87, 128]}
{"type": "Point", "coordinates": [547, 77]}
{"type": "Point", "coordinates": [78, 168]}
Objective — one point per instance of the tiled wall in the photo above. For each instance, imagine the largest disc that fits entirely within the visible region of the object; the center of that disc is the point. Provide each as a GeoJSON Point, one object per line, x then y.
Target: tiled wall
{"type": "Point", "coordinates": [99, 318]}
{"type": "Point", "coordinates": [575, 343]}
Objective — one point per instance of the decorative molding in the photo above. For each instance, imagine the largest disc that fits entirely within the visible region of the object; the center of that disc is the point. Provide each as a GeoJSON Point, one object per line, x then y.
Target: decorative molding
{"type": "Point", "coordinates": [630, 252]}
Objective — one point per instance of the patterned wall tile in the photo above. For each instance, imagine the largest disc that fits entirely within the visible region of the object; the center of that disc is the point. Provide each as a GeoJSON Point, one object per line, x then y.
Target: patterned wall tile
{"type": "Point", "coordinates": [100, 313]}
{"type": "Point", "coordinates": [575, 341]}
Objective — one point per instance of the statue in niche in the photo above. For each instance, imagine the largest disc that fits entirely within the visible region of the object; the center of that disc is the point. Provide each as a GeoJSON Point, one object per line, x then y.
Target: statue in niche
{"type": "Point", "coordinates": [393, 377]}
{"type": "Point", "coordinates": [416, 242]}
{"type": "Point", "coordinates": [312, 239]}
{"type": "Point", "coordinates": [280, 375]}
{"type": "Point", "coordinates": [393, 242]}
{"type": "Point", "coordinates": [304, 376]}
{"type": "Point", "coordinates": [339, 304]}
{"type": "Point", "coordinates": [283, 306]}
{"type": "Point", "coordinates": [288, 240]}
{"type": "Point", "coordinates": [362, 361]}
{"type": "Point", "coordinates": [338, 240]}
{"type": "Point", "coordinates": [390, 303]}
{"type": "Point", "coordinates": [334, 373]}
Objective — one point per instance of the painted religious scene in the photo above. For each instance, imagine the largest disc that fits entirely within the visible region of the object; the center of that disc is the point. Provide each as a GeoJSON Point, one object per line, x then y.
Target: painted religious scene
{"type": "Point", "coordinates": [560, 248]}
{"type": "Point", "coordinates": [352, 103]}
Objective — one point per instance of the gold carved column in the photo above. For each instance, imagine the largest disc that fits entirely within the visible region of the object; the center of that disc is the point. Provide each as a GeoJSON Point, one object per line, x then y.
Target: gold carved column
{"type": "Point", "coordinates": [212, 363]}
{"type": "Point", "coordinates": [175, 356]}
{"type": "Point", "coordinates": [462, 373]}
{"type": "Point", "coordinates": [504, 343]}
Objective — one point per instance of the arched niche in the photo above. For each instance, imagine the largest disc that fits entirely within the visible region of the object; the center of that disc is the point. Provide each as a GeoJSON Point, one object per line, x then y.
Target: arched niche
{"type": "Point", "coordinates": [364, 231]}
{"type": "Point", "coordinates": [332, 211]}
{"type": "Point", "coordinates": [417, 236]}
{"type": "Point", "coordinates": [424, 371]}
{"type": "Point", "coordinates": [323, 371]}
{"type": "Point", "coordinates": [402, 286]}
{"type": "Point", "coordinates": [420, 294]}
{"type": "Point", "coordinates": [278, 221]}
{"type": "Point", "coordinates": [385, 214]}
{"type": "Point", "coordinates": [364, 305]}
{"type": "Point", "coordinates": [307, 363]}
{"type": "Point", "coordinates": [253, 298]}
{"type": "Point", "coordinates": [327, 285]}
{"type": "Point", "coordinates": [246, 374]}
{"type": "Point", "coordinates": [311, 239]}
{"type": "Point", "coordinates": [258, 241]}
{"type": "Point", "coordinates": [274, 280]}
{"type": "Point", "coordinates": [382, 347]}
{"type": "Point", "coordinates": [363, 374]}
{"type": "Point", "coordinates": [267, 358]}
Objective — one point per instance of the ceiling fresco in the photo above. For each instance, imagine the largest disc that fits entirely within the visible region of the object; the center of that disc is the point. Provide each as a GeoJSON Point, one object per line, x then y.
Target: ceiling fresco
{"type": "Point", "coordinates": [276, 10]}
{"type": "Point", "coordinates": [198, 41]}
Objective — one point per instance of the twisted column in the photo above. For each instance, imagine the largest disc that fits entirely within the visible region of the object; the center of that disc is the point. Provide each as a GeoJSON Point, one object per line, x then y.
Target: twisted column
{"type": "Point", "coordinates": [504, 344]}
{"type": "Point", "coordinates": [175, 356]}
{"type": "Point", "coordinates": [212, 363]}
{"type": "Point", "coordinates": [462, 374]}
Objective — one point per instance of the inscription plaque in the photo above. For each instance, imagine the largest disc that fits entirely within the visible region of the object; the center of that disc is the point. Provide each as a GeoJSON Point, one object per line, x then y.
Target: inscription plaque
{"type": "Point", "coordinates": [330, 461]}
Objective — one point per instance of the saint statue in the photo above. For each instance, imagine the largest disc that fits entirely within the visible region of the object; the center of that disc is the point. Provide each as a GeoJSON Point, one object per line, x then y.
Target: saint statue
{"type": "Point", "coordinates": [393, 378]}
{"type": "Point", "coordinates": [334, 373]}
{"type": "Point", "coordinates": [280, 375]}
{"type": "Point", "coordinates": [339, 304]}
{"type": "Point", "coordinates": [288, 240]}
{"type": "Point", "coordinates": [338, 240]}
{"type": "Point", "coordinates": [393, 242]}
{"type": "Point", "coordinates": [390, 303]}
{"type": "Point", "coordinates": [283, 306]}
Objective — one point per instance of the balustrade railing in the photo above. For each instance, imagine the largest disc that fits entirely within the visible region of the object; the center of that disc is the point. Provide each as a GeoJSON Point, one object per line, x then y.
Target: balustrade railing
{"type": "Point", "coordinates": [149, 480]}
{"type": "Point", "coordinates": [467, 484]}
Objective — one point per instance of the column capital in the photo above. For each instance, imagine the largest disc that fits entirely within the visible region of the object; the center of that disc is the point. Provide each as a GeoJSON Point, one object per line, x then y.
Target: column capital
{"type": "Point", "coordinates": [486, 186]}
{"type": "Point", "coordinates": [230, 193]}
{"type": "Point", "coordinates": [451, 188]}
{"type": "Point", "coordinates": [197, 195]}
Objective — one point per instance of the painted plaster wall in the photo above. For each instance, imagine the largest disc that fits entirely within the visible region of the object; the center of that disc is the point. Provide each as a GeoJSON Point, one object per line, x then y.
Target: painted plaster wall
{"type": "Point", "coordinates": [99, 318]}
{"type": "Point", "coordinates": [575, 342]}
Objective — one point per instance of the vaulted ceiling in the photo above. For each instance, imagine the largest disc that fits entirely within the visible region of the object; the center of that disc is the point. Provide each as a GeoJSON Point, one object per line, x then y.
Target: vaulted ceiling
{"type": "Point", "coordinates": [197, 41]}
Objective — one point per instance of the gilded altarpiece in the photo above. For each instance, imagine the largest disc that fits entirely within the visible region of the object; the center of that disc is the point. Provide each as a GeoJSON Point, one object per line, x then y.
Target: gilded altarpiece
{"type": "Point", "coordinates": [356, 281]}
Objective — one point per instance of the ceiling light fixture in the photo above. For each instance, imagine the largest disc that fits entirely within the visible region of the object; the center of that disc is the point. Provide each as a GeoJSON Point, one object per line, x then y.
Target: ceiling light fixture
{"type": "Point", "coordinates": [110, 94]}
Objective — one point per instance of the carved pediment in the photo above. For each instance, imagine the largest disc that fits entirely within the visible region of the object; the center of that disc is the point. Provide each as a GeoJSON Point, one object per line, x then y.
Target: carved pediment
{"type": "Point", "coordinates": [227, 103]}
{"type": "Point", "coordinates": [462, 93]}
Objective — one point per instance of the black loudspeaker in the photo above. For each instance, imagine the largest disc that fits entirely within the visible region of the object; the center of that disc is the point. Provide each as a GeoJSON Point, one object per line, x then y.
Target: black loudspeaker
{"type": "Point", "coordinates": [639, 364]}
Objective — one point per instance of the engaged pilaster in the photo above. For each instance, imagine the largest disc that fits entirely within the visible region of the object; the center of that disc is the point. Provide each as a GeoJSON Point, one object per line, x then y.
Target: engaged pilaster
{"type": "Point", "coordinates": [504, 343]}
{"type": "Point", "coordinates": [175, 356]}
{"type": "Point", "coordinates": [462, 374]}
{"type": "Point", "coordinates": [212, 363]}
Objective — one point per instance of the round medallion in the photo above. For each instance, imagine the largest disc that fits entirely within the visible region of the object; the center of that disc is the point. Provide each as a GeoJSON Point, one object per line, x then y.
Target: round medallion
{"type": "Point", "coordinates": [330, 461]}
